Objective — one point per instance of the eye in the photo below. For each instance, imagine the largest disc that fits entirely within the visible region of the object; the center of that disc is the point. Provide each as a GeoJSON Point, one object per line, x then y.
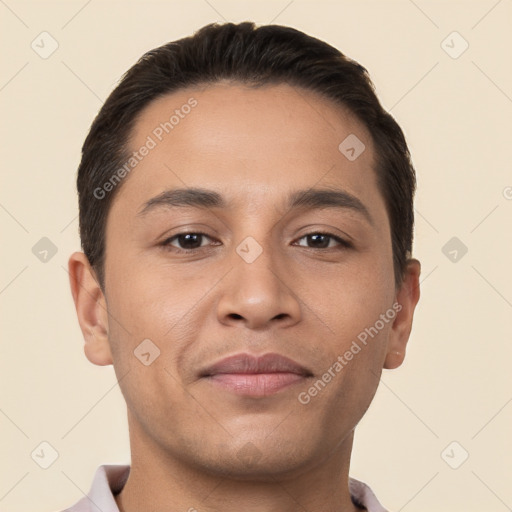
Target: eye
{"type": "Point", "coordinates": [185, 242]}
{"type": "Point", "coordinates": [190, 242]}
{"type": "Point", "coordinates": [324, 241]}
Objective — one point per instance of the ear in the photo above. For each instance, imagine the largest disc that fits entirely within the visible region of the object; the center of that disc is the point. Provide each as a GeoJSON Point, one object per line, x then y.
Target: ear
{"type": "Point", "coordinates": [406, 298]}
{"type": "Point", "coordinates": [91, 309]}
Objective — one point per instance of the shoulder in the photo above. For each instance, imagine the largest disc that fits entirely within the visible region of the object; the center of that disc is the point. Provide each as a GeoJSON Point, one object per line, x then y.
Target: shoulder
{"type": "Point", "coordinates": [363, 496]}
{"type": "Point", "coordinates": [108, 481]}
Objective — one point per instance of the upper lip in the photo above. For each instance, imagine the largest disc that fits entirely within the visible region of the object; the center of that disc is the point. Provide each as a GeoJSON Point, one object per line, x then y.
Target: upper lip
{"type": "Point", "coordinates": [250, 364]}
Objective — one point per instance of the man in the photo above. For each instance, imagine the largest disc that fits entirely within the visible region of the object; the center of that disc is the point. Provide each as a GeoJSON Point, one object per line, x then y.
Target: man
{"type": "Point", "coordinates": [246, 215]}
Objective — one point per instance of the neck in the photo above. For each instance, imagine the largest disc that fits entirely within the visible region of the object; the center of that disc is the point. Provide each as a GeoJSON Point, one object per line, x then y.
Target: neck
{"type": "Point", "coordinates": [159, 481]}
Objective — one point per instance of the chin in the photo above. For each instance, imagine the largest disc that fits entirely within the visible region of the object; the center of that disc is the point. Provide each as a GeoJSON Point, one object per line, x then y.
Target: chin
{"type": "Point", "coordinates": [259, 461]}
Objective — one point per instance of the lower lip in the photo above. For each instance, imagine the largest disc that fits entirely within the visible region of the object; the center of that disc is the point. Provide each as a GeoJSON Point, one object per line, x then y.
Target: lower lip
{"type": "Point", "coordinates": [255, 384]}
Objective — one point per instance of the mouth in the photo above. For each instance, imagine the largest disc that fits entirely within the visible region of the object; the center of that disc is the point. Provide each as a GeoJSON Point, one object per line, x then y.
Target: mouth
{"type": "Point", "coordinates": [256, 376]}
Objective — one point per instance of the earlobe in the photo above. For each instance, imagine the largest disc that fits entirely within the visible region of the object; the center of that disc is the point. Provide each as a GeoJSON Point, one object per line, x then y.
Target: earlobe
{"type": "Point", "coordinates": [394, 359]}
{"type": "Point", "coordinates": [407, 297]}
{"type": "Point", "coordinates": [91, 309]}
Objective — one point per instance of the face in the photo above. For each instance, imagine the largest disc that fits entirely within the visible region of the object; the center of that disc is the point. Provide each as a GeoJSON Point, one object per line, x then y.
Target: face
{"type": "Point", "coordinates": [246, 231]}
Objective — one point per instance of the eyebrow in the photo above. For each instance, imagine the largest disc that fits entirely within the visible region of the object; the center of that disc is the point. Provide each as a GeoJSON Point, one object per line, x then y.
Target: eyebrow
{"type": "Point", "coordinates": [307, 198]}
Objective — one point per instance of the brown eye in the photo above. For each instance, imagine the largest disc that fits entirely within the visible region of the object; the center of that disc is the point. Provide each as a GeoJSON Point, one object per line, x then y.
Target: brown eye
{"type": "Point", "coordinates": [323, 241]}
{"type": "Point", "coordinates": [186, 241]}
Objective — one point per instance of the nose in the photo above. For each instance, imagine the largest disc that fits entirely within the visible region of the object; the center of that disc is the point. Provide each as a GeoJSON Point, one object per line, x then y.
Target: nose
{"type": "Point", "coordinates": [258, 295]}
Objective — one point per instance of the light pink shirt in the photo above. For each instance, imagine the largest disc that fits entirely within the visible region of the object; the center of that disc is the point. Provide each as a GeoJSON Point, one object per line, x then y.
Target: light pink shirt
{"type": "Point", "coordinates": [109, 480]}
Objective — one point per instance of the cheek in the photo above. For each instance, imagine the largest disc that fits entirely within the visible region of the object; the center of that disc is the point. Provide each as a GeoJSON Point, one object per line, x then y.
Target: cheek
{"type": "Point", "coordinates": [148, 299]}
{"type": "Point", "coordinates": [155, 302]}
{"type": "Point", "coordinates": [350, 302]}
{"type": "Point", "coordinates": [358, 310]}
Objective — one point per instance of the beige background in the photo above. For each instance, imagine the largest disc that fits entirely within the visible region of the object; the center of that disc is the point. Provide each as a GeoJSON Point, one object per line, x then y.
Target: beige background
{"type": "Point", "coordinates": [457, 115]}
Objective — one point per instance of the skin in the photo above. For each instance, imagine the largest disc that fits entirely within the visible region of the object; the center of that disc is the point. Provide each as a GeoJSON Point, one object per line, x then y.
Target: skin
{"type": "Point", "coordinates": [190, 441]}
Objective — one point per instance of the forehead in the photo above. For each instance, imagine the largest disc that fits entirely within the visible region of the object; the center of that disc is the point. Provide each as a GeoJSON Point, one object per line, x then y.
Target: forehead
{"type": "Point", "coordinates": [245, 141]}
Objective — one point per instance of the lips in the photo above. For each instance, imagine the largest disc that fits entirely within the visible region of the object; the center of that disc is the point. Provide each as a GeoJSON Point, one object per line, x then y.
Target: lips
{"type": "Point", "coordinates": [256, 376]}
{"type": "Point", "coordinates": [248, 364]}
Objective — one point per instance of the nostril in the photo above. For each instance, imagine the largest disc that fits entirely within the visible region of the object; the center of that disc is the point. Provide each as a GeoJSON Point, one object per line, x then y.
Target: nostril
{"type": "Point", "coordinates": [236, 316]}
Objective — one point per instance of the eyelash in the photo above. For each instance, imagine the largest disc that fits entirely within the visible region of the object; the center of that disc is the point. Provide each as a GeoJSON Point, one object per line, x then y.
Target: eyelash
{"type": "Point", "coordinates": [166, 244]}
